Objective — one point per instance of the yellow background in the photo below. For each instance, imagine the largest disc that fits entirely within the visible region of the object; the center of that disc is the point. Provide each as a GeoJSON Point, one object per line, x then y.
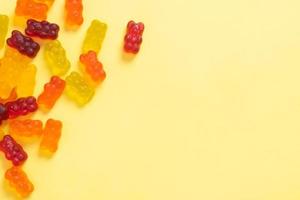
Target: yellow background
{"type": "Point", "coordinates": [208, 110]}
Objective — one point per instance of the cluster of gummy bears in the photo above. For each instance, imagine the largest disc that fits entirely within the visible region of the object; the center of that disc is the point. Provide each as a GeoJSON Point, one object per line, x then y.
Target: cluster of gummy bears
{"type": "Point", "coordinates": [18, 73]}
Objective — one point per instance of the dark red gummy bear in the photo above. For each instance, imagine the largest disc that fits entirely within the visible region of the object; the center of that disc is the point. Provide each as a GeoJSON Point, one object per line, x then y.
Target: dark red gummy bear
{"type": "Point", "coordinates": [43, 29]}
{"type": "Point", "coordinates": [13, 151]}
{"type": "Point", "coordinates": [3, 113]}
{"type": "Point", "coordinates": [133, 38]}
{"type": "Point", "coordinates": [25, 45]}
{"type": "Point", "coordinates": [21, 106]}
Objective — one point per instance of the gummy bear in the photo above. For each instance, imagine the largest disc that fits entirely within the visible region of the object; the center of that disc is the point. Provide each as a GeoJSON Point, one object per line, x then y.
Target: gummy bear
{"type": "Point", "coordinates": [3, 113]}
{"type": "Point", "coordinates": [19, 181]}
{"type": "Point", "coordinates": [29, 9]}
{"type": "Point", "coordinates": [26, 82]}
{"type": "Point", "coordinates": [51, 136]}
{"type": "Point", "coordinates": [21, 107]}
{"type": "Point", "coordinates": [12, 97]}
{"type": "Point", "coordinates": [3, 29]}
{"type": "Point", "coordinates": [47, 2]}
{"type": "Point", "coordinates": [25, 45]}
{"type": "Point", "coordinates": [78, 89]}
{"type": "Point", "coordinates": [27, 128]}
{"type": "Point", "coordinates": [92, 67]}
{"type": "Point", "coordinates": [43, 29]}
{"type": "Point", "coordinates": [52, 91]}
{"type": "Point", "coordinates": [56, 59]}
{"type": "Point", "coordinates": [74, 16]}
{"type": "Point", "coordinates": [94, 37]}
{"type": "Point", "coordinates": [133, 38]}
{"type": "Point", "coordinates": [12, 150]}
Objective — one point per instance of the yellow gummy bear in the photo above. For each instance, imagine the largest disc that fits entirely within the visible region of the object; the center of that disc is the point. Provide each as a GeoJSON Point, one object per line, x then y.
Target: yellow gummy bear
{"type": "Point", "coordinates": [94, 37]}
{"type": "Point", "coordinates": [3, 29]}
{"type": "Point", "coordinates": [26, 81]}
{"type": "Point", "coordinates": [56, 59]}
{"type": "Point", "coordinates": [77, 89]}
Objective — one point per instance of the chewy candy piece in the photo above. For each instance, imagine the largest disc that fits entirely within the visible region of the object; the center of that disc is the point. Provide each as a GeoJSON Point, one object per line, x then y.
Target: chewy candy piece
{"type": "Point", "coordinates": [25, 128]}
{"type": "Point", "coordinates": [3, 29]}
{"type": "Point", "coordinates": [56, 59]}
{"type": "Point", "coordinates": [92, 67]}
{"type": "Point", "coordinates": [29, 9]}
{"type": "Point", "coordinates": [51, 136]}
{"type": "Point", "coordinates": [74, 16]}
{"type": "Point", "coordinates": [19, 181]}
{"type": "Point", "coordinates": [12, 150]}
{"type": "Point", "coordinates": [25, 45]}
{"type": "Point", "coordinates": [21, 107]}
{"type": "Point", "coordinates": [43, 29]}
{"type": "Point", "coordinates": [12, 97]}
{"type": "Point", "coordinates": [133, 38]}
{"type": "Point", "coordinates": [94, 37]}
{"type": "Point", "coordinates": [47, 2]}
{"type": "Point", "coordinates": [3, 113]}
{"type": "Point", "coordinates": [78, 89]}
{"type": "Point", "coordinates": [52, 91]}
{"type": "Point", "coordinates": [26, 82]}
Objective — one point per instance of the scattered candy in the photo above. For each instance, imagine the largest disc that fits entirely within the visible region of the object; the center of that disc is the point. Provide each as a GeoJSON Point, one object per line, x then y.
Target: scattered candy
{"type": "Point", "coordinates": [92, 67]}
{"type": "Point", "coordinates": [56, 59]}
{"type": "Point", "coordinates": [133, 38]}
{"type": "Point", "coordinates": [74, 16]}
{"type": "Point", "coordinates": [19, 181]}
{"type": "Point", "coordinates": [52, 91]}
{"type": "Point", "coordinates": [13, 151]}
{"type": "Point", "coordinates": [21, 107]}
{"type": "Point", "coordinates": [25, 45]}
{"type": "Point", "coordinates": [94, 37]}
{"type": "Point", "coordinates": [3, 29]}
{"type": "Point", "coordinates": [51, 136]}
{"type": "Point", "coordinates": [77, 89]}
{"type": "Point", "coordinates": [43, 29]}
{"type": "Point", "coordinates": [27, 128]}
{"type": "Point", "coordinates": [29, 9]}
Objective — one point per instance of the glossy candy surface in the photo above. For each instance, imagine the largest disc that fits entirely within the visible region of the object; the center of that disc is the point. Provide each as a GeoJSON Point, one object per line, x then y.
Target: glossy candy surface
{"type": "Point", "coordinates": [25, 128]}
{"type": "Point", "coordinates": [26, 82]}
{"type": "Point", "coordinates": [21, 107]}
{"type": "Point", "coordinates": [29, 9]}
{"type": "Point", "coordinates": [77, 89]}
{"type": "Point", "coordinates": [133, 38]}
{"type": "Point", "coordinates": [42, 29]}
{"type": "Point", "coordinates": [51, 136]}
{"type": "Point", "coordinates": [52, 91]}
{"type": "Point", "coordinates": [74, 10]}
{"type": "Point", "coordinates": [94, 37]}
{"type": "Point", "coordinates": [19, 181]}
{"type": "Point", "coordinates": [25, 45]}
{"type": "Point", "coordinates": [12, 150]}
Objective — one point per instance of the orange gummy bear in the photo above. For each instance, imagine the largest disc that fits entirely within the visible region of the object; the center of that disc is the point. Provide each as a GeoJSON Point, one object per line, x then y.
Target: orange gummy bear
{"type": "Point", "coordinates": [93, 68]}
{"type": "Point", "coordinates": [51, 136]}
{"type": "Point", "coordinates": [31, 9]}
{"type": "Point", "coordinates": [25, 128]}
{"type": "Point", "coordinates": [74, 12]}
{"type": "Point", "coordinates": [52, 91]}
{"type": "Point", "coordinates": [18, 180]}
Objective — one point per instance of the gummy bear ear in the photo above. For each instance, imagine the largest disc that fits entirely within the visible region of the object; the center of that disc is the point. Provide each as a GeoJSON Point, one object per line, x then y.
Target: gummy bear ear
{"type": "Point", "coordinates": [130, 24]}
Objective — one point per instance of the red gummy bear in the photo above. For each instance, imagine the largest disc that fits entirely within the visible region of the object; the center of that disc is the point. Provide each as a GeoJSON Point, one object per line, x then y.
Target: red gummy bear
{"type": "Point", "coordinates": [3, 113]}
{"type": "Point", "coordinates": [21, 106]}
{"type": "Point", "coordinates": [13, 151]}
{"type": "Point", "coordinates": [133, 38]}
{"type": "Point", "coordinates": [25, 45]}
{"type": "Point", "coordinates": [43, 29]}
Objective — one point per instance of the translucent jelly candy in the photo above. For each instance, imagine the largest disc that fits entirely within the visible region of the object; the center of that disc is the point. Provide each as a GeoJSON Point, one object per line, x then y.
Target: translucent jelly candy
{"type": "Point", "coordinates": [43, 29]}
{"type": "Point", "coordinates": [94, 37]}
{"type": "Point", "coordinates": [29, 9]}
{"type": "Point", "coordinates": [92, 67]}
{"type": "Point", "coordinates": [3, 113]}
{"type": "Point", "coordinates": [51, 136]}
{"type": "Point", "coordinates": [52, 91]}
{"type": "Point", "coordinates": [3, 29]}
{"type": "Point", "coordinates": [78, 89]}
{"type": "Point", "coordinates": [26, 81]}
{"type": "Point", "coordinates": [19, 181]}
{"type": "Point", "coordinates": [56, 59]}
{"type": "Point", "coordinates": [12, 97]}
{"type": "Point", "coordinates": [27, 128]}
{"type": "Point", "coordinates": [74, 16]}
{"type": "Point", "coordinates": [21, 107]}
{"type": "Point", "coordinates": [47, 2]}
{"type": "Point", "coordinates": [133, 38]}
{"type": "Point", "coordinates": [25, 45]}
{"type": "Point", "coordinates": [12, 150]}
